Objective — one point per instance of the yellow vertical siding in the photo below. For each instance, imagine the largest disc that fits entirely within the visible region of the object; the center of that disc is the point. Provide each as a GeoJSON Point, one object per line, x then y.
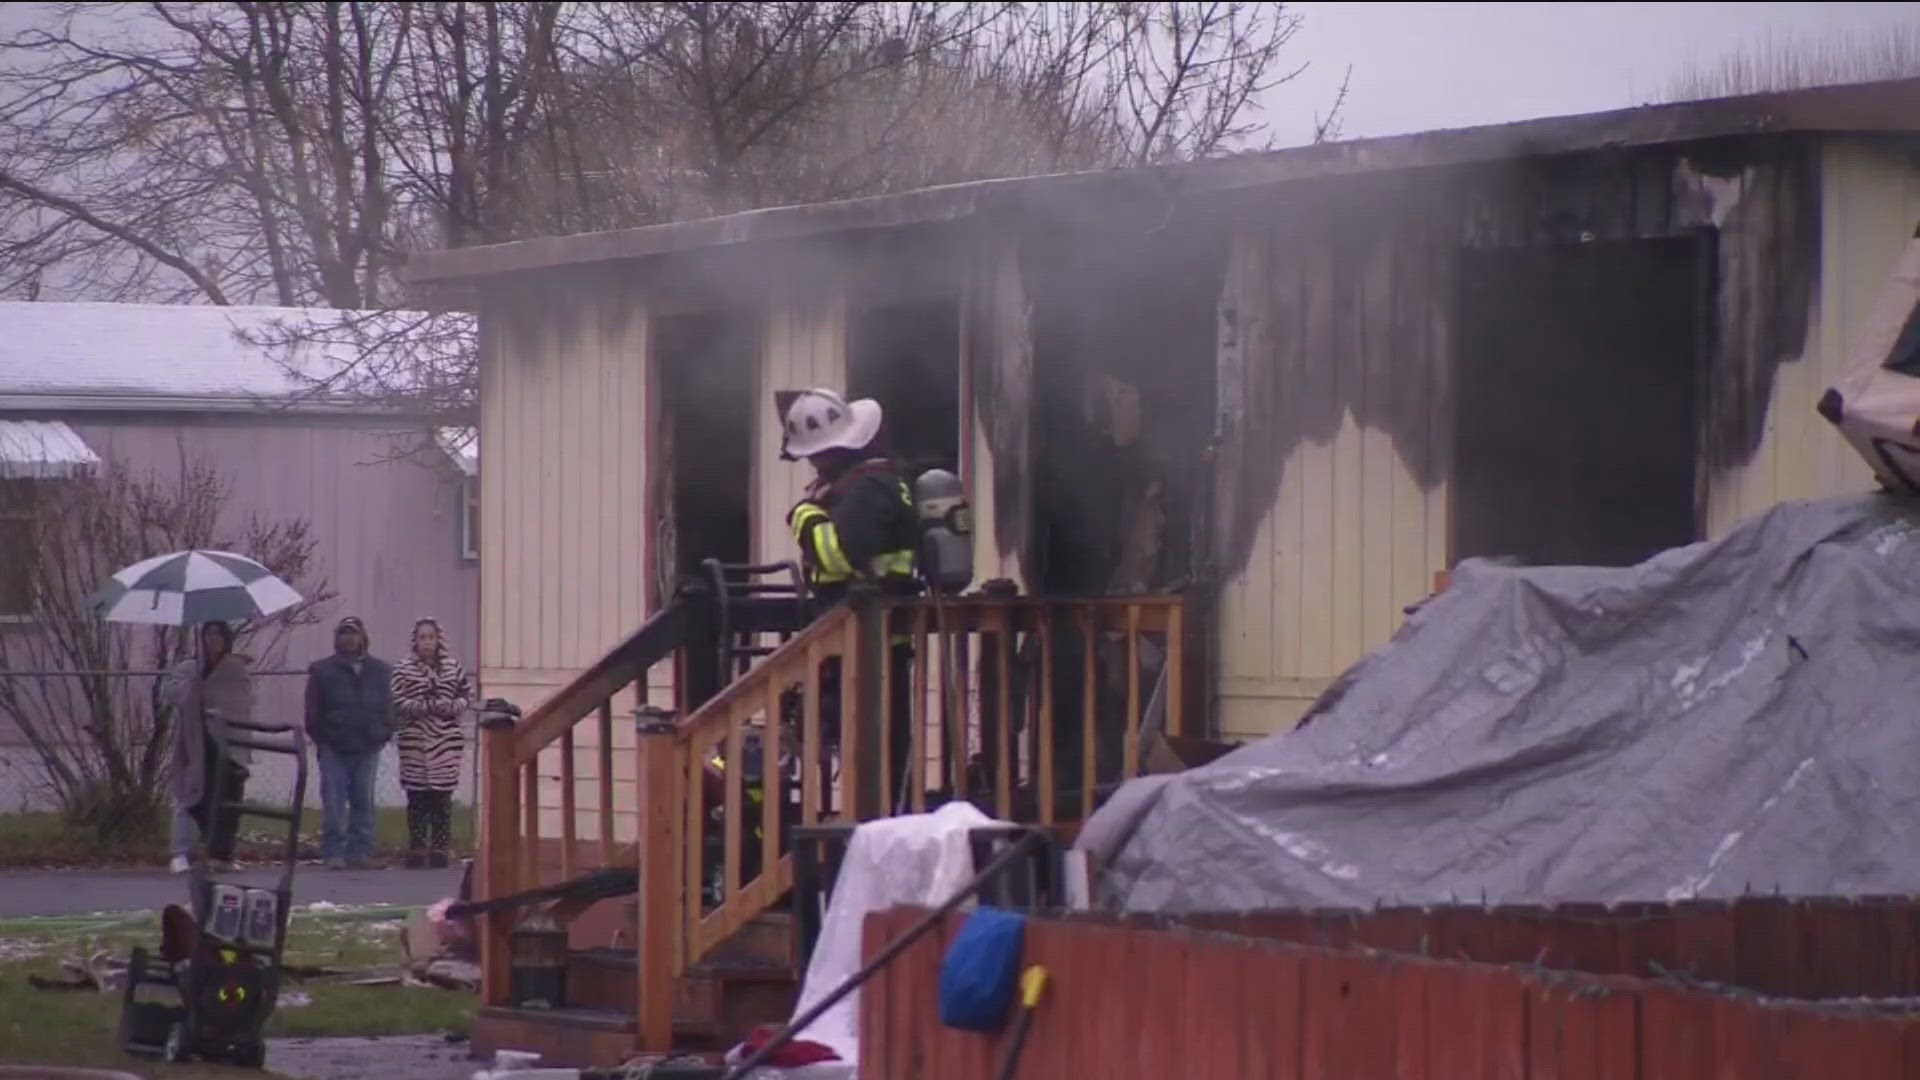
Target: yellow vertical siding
{"type": "Point", "coordinates": [562, 518]}
{"type": "Point", "coordinates": [1870, 202]}
{"type": "Point", "coordinates": [1352, 535]}
{"type": "Point", "coordinates": [804, 344]}
{"type": "Point", "coordinates": [998, 311]}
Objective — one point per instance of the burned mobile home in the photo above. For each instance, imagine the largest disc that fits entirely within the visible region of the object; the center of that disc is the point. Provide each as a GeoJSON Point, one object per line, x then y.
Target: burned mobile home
{"type": "Point", "coordinates": [1224, 420]}
{"type": "Point", "coordinates": [1295, 384]}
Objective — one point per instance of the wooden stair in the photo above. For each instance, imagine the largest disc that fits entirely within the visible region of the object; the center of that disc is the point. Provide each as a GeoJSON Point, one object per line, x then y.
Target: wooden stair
{"type": "Point", "coordinates": [695, 959]}
{"type": "Point", "coordinates": [747, 981]}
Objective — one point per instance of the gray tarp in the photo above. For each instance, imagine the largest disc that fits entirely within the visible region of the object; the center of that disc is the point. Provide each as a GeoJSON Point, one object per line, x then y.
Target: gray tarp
{"type": "Point", "coordinates": [1731, 715]}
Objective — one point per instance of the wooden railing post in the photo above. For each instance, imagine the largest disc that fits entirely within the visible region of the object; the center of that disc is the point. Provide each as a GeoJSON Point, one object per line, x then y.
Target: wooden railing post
{"type": "Point", "coordinates": [499, 857]}
{"type": "Point", "coordinates": [657, 771]}
{"type": "Point", "coordinates": [568, 827]}
{"type": "Point", "coordinates": [860, 686]}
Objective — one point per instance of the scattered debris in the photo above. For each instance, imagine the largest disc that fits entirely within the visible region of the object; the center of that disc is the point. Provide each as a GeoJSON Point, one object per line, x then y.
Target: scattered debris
{"type": "Point", "coordinates": [294, 999]}
{"type": "Point", "coordinates": [450, 973]}
{"type": "Point", "coordinates": [440, 949]}
{"type": "Point", "coordinates": [12, 949]}
{"type": "Point", "coordinates": [304, 972]}
{"type": "Point", "coordinates": [98, 972]}
{"type": "Point", "coordinates": [415, 1057]}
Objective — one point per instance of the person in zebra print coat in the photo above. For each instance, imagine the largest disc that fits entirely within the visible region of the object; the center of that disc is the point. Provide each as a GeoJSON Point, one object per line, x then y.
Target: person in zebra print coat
{"type": "Point", "coordinates": [431, 693]}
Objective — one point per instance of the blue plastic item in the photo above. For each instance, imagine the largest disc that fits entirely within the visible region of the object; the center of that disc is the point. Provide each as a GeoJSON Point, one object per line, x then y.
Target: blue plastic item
{"type": "Point", "coordinates": [980, 976]}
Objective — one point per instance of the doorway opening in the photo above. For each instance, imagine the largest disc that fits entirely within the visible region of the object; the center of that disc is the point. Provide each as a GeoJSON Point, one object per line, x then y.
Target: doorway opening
{"type": "Point", "coordinates": [1578, 400]}
{"type": "Point", "coordinates": [906, 356]}
{"type": "Point", "coordinates": [704, 412]}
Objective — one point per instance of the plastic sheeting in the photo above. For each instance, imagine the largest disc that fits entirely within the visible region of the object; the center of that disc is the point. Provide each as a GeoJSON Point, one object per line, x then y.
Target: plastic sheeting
{"type": "Point", "coordinates": [918, 859]}
{"type": "Point", "coordinates": [1730, 716]}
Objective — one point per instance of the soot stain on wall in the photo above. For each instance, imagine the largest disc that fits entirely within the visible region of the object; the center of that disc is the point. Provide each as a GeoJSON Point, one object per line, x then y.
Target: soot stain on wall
{"type": "Point", "coordinates": [1344, 302]}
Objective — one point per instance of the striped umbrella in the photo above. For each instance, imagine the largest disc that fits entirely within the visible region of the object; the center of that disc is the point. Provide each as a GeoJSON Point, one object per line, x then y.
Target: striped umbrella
{"type": "Point", "coordinates": [189, 587]}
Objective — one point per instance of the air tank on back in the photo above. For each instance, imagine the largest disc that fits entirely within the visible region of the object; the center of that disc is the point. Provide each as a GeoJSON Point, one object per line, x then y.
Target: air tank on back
{"type": "Point", "coordinates": [946, 531]}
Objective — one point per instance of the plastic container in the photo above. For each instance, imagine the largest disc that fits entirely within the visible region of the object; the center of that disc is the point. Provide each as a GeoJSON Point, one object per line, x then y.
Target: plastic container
{"type": "Point", "coordinates": [228, 915]}
{"type": "Point", "coordinates": [263, 911]}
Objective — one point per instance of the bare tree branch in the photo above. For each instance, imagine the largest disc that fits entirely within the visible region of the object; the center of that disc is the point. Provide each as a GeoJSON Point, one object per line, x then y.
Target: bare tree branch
{"type": "Point", "coordinates": [291, 153]}
{"type": "Point", "coordinates": [102, 741]}
{"type": "Point", "coordinates": [141, 243]}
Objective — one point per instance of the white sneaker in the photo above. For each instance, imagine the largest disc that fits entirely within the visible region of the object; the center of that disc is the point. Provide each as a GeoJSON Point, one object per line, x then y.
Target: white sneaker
{"type": "Point", "coordinates": [180, 864]}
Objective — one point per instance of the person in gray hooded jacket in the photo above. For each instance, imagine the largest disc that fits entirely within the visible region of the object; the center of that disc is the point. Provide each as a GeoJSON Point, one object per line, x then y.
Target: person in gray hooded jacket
{"type": "Point", "coordinates": [206, 692]}
{"type": "Point", "coordinates": [350, 719]}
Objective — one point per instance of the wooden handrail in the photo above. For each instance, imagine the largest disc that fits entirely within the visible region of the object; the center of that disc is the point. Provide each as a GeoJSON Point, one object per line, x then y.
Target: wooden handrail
{"type": "Point", "coordinates": [826, 627]}
{"type": "Point", "coordinates": [724, 894]}
{"type": "Point", "coordinates": [626, 663]}
{"type": "Point", "coordinates": [970, 654]}
{"type": "Point", "coordinates": [723, 720]}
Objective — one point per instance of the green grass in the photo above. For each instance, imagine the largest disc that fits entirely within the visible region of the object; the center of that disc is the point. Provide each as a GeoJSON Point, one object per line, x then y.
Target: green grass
{"type": "Point", "coordinates": [78, 1028]}
{"type": "Point", "coordinates": [30, 840]}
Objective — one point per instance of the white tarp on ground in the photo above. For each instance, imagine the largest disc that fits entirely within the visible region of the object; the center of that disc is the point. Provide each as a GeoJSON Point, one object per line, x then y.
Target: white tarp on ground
{"type": "Point", "coordinates": [918, 859]}
{"type": "Point", "coordinates": [1742, 714]}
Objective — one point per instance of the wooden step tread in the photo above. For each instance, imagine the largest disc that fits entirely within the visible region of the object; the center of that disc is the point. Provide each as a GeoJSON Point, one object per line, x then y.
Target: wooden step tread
{"type": "Point", "coordinates": [591, 1019]}
{"type": "Point", "coordinates": [611, 1021]}
{"type": "Point", "coordinates": [731, 970]}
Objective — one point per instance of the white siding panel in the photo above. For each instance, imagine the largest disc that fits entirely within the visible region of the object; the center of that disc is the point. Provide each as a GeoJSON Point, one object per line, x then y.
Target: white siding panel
{"type": "Point", "coordinates": [804, 345]}
{"type": "Point", "coordinates": [1352, 534]}
{"type": "Point", "coordinates": [1870, 202]}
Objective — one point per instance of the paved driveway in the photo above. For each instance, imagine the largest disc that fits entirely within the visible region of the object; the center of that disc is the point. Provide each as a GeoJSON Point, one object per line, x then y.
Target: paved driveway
{"type": "Point", "coordinates": [80, 892]}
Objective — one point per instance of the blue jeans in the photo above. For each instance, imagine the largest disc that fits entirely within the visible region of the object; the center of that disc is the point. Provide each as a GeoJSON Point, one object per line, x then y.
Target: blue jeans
{"type": "Point", "coordinates": [346, 802]}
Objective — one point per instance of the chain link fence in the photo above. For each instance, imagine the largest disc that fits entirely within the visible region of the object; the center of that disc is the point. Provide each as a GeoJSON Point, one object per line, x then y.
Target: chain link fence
{"type": "Point", "coordinates": [279, 695]}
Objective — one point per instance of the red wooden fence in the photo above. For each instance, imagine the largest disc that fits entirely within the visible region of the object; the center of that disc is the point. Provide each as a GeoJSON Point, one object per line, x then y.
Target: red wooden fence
{"type": "Point", "coordinates": [1815, 948]}
{"type": "Point", "coordinates": [1127, 1000]}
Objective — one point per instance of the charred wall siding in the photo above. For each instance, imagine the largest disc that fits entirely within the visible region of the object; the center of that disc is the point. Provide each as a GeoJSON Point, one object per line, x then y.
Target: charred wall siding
{"type": "Point", "coordinates": [1336, 345]}
{"type": "Point", "coordinates": [1869, 203]}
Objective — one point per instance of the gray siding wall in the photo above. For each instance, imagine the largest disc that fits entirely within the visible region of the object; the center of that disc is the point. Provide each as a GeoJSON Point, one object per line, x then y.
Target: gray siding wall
{"type": "Point", "coordinates": [387, 531]}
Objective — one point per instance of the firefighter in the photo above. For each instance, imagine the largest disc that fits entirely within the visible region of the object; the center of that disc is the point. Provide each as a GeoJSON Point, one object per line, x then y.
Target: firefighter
{"type": "Point", "coordinates": [856, 524]}
{"type": "Point", "coordinates": [857, 521]}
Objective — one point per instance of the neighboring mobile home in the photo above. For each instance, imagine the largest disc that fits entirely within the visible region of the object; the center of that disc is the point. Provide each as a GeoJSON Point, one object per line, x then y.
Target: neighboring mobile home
{"type": "Point", "coordinates": [153, 386]}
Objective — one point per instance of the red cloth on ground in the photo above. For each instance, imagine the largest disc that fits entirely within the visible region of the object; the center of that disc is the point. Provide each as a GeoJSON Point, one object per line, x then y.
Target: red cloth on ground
{"type": "Point", "coordinates": [793, 1055]}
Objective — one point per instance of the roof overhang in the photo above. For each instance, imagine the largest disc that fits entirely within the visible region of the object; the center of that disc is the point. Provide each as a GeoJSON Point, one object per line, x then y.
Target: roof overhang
{"type": "Point", "coordinates": [43, 450]}
{"type": "Point", "coordinates": [462, 447]}
{"type": "Point", "coordinates": [1883, 107]}
{"type": "Point", "coordinates": [155, 403]}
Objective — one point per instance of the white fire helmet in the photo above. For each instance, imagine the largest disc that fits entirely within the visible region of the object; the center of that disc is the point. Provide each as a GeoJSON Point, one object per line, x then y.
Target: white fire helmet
{"type": "Point", "coordinates": [820, 420]}
{"type": "Point", "coordinates": [1876, 403]}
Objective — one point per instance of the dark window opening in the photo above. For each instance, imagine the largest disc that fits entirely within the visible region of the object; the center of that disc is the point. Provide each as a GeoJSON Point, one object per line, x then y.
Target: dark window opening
{"type": "Point", "coordinates": [706, 380]}
{"type": "Point", "coordinates": [18, 559]}
{"type": "Point", "coordinates": [1125, 342]}
{"type": "Point", "coordinates": [1577, 431]}
{"type": "Point", "coordinates": [906, 356]}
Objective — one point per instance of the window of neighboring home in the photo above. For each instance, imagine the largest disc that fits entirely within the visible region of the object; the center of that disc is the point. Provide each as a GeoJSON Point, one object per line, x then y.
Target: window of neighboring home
{"type": "Point", "coordinates": [17, 554]}
{"type": "Point", "coordinates": [470, 518]}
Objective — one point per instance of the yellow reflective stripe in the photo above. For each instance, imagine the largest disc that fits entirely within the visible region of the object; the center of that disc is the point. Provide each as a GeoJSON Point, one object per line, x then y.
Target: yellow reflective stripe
{"type": "Point", "coordinates": [893, 564]}
{"type": "Point", "coordinates": [832, 561]}
{"type": "Point", "coordinates": [813, 530]}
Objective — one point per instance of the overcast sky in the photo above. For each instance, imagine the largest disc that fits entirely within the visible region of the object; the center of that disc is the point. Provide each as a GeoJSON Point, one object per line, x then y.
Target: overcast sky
{"type": "Point", "coordinates": [1423, 66]}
